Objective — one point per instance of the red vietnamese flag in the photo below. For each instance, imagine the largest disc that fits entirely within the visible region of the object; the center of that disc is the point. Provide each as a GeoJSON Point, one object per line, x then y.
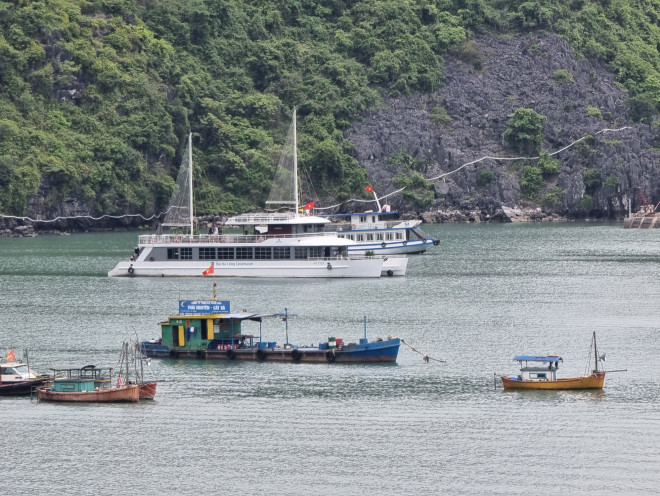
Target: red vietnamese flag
{"type": "Point", "coordinates": [11, 356]}
{"type": "Point", "coordinates": [369, 189]}
{"type": "Point", "coordinates": [309, 206]}
{"type": "Point", "coordinates": [209, 271]}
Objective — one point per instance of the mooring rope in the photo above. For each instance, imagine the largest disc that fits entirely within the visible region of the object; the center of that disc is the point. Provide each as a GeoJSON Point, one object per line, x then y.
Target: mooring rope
{"type": "Point", "coordinates": [425, 357]}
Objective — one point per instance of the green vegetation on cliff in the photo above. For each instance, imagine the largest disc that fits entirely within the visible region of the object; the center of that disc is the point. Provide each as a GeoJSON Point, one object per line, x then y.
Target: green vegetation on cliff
{"type": "Point", "coordinates": [96, 96]}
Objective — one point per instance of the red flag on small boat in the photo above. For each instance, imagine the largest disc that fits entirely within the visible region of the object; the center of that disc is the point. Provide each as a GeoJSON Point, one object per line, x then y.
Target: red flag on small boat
{"type": "Point", "coordinates": [309, 206]}
{"type": "Point", "coordinates": [209, 271]}
{"type": "Point", "coordinates": [369, 188]}
{"type": "Point", "coordinates": [11, 356]}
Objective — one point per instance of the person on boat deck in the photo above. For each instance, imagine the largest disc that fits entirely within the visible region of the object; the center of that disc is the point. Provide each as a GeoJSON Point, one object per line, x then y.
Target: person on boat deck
{"type": "Point", "coordinates": [210, 230]}
{"type": "Point", "coordinates": [215, 230]}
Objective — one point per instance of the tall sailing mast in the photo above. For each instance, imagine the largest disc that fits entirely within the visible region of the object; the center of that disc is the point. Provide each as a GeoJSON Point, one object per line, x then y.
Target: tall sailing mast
{"type": "Point", "coordinates": [190, 183]}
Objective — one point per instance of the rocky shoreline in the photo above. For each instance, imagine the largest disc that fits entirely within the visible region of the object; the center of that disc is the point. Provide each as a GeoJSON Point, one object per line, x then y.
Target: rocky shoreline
{"type": "Point", "coordinates": [12, 227]}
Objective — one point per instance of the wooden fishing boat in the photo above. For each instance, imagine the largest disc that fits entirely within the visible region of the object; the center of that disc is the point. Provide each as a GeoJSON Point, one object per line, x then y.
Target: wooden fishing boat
{"type": "Point", "coordinates": [88, 384]}
{"type": "Point", "coordinates": [540, 372]}
{"type": "Point", "coordinates": [131, 365]}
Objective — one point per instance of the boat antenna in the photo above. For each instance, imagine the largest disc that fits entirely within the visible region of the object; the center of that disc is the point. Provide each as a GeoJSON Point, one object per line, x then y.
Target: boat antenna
{"type": "Point", "coordinates": [365, 328]}
{"type": "Point", "coordinates": [190, 181]}
{"type": "Point", "coordinates": [295, 160]}
{"type": "Point", "coordinates": [286, 323]}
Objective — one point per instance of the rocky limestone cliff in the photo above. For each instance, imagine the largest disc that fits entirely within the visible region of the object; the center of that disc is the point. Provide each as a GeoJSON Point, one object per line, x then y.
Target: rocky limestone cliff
{"type": "Point", "coordinates": [516, 73]}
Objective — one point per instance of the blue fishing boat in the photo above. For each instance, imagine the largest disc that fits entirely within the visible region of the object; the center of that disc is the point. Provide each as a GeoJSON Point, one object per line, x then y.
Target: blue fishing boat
{"type": "Point", "coordinates": [209, 330]}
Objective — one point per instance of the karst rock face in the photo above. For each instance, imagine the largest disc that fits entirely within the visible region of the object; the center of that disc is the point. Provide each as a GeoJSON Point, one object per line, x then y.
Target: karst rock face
{"type": "Point", "coordinates": [513, 73]}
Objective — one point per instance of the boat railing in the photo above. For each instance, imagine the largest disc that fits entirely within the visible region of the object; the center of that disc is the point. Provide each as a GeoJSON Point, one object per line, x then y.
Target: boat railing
{"type": "Point", "coordinates": [157, 239]}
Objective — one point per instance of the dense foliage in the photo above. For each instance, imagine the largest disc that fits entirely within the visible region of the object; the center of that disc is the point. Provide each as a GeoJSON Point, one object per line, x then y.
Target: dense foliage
{"type": "Point", "coordinates": [97, 96]}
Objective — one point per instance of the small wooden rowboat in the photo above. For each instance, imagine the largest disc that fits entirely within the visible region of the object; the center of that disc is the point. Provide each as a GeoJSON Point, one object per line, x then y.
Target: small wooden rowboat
{"type": "Point", "coordinates": [540, 372]}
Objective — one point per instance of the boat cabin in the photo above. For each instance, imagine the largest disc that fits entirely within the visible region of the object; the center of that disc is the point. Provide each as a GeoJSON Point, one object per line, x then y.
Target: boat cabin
{"type": "Point", "coordinates": [15, 371]}
{"type": "Point", "coordinates": [72, 379]}
{"type": "Point", "coordinates": [538, 368]}
{"type": "Point", "coordinates": [201, 331]}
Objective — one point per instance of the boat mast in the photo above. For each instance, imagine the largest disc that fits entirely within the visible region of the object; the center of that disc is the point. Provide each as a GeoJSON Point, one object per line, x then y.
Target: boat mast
{"type": "Point", "coordinates": [190, 182]}
{"type": "Point", "coordinates": [295, 160]}
{"type": "Point", "coordinates": [595, 353]}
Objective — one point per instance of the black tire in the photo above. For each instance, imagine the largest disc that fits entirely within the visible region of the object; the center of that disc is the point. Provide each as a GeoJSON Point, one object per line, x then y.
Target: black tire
{"type": "Point", "coordinates": [261, 355]}
{"type": "Point", "coordinates": [329, 266]}
{"type": "Point", "coordinates": [296, 355]}
{"type": "Point", "coordinates": [405, 242]}
{"type": "Point", "coordinates": [330, 356]}
{"type": "Point", "coordinates": [131, 269]}
{"type": "Point", "coordinates": [390, 273]}
{"type": "Point", "coordinates": [231, 354]}
{"type": "Point", "coordinates": [383, 244]}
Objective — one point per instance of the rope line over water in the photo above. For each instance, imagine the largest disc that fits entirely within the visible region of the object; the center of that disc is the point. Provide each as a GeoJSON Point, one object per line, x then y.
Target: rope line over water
{"type": "Point", "coordinates": [425, 357]}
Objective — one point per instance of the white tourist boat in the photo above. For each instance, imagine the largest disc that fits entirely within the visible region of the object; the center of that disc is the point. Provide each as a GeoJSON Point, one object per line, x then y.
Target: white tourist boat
{"type": "Point", "coordinates": [278, 245]}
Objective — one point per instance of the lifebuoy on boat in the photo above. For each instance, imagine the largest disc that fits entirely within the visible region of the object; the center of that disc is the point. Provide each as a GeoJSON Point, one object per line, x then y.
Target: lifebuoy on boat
{"type": "Point", "coordinates": [177, 239]}
{"type": "Point", "coordinates": [260, 239]}
{"type": "Point", "coordinates": [154, 239]}
{"type": "Point", "coordinates": [223, 239]}
{"type": "Point", "coordinates": [353, 227]}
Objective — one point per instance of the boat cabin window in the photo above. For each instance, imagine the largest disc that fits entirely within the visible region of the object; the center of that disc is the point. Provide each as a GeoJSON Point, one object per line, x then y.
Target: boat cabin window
{"type": "Point", "coordinates": [225, 253]}
{"type": "Point", "coordinates": [373, 218]}
{"type": "Point", "coordinates": [370, 236]}
{"type": "Point", "coordinates": [261, 253]}
{"type": "Point", "coordinates": [244, 253]}
{"type": "Point", "coordinates": [300, 253]}
{"type": "Point", "coordinates": [186, 253]}
{"type": "Point", "coordinates": [541, 375]}
{"type": "Point", "coordinates": [316, 252]}
{"type": "Point", "coordinates": [207, 253]}
{"type": "Point", "coordinates": [363, 218]}
{"type": "Point", "coordinates": [351, 236]}
{"type": "Point", "coordinates": [359, 237]}
{"type": "Point", "coordinates": [379, 236]}
{"type": "Point", "coordinates": [389, 236]}
{"type": "Point", "coordinates": [7, 371]}
{"type": "Point", "coordinates": [173, 254]}
{"type": "Point", "coordinates": [281, 253]}
{"type": "Point", "coordinates": [399, 235]}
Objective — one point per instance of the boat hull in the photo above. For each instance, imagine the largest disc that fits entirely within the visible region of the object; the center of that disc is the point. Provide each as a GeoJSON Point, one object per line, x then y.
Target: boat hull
{"type": "Point", "coordinates": [411, 247]}
{"type": "Point", "coordinates": [130, 393]}
{"type": "Point", "coordinates": [21, 387]}
{"type": "Point", "coordinates": [394, 266]}
{"type": "Point", "coordinates": [148, 390]}
{"type": "Point", "coordinates": [372, 352]}
{"type": "Point", "coordinates": [339, 268]}
{"type": "Point", "coordinates": [593, 381]}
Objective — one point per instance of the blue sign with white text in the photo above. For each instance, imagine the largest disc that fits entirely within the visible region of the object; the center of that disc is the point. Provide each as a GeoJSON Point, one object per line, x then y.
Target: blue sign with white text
{"type": "Point", "coordinates": [195, 306]}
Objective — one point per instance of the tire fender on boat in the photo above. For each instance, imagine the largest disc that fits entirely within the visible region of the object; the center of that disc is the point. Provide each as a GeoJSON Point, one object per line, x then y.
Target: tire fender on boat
{"type": "Point", "coordinates": [390, 273]}
{"type": "Point", "coordinates": [231, 354]}
{"type": "Point", "coordinates": [261, 355]}
{"type": "Point", "coordinates": [330, 356]}
{"type": "Point", "coordinates": [383, 244]}
{"type": "Point", "coordinates": [131, 269]}
{"type": "Point", "coordinates": [296, 355]}
{"type": "Point", "coordinates": [405, 242]}
{"type": "Point", "coordinates": [329, 266]}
